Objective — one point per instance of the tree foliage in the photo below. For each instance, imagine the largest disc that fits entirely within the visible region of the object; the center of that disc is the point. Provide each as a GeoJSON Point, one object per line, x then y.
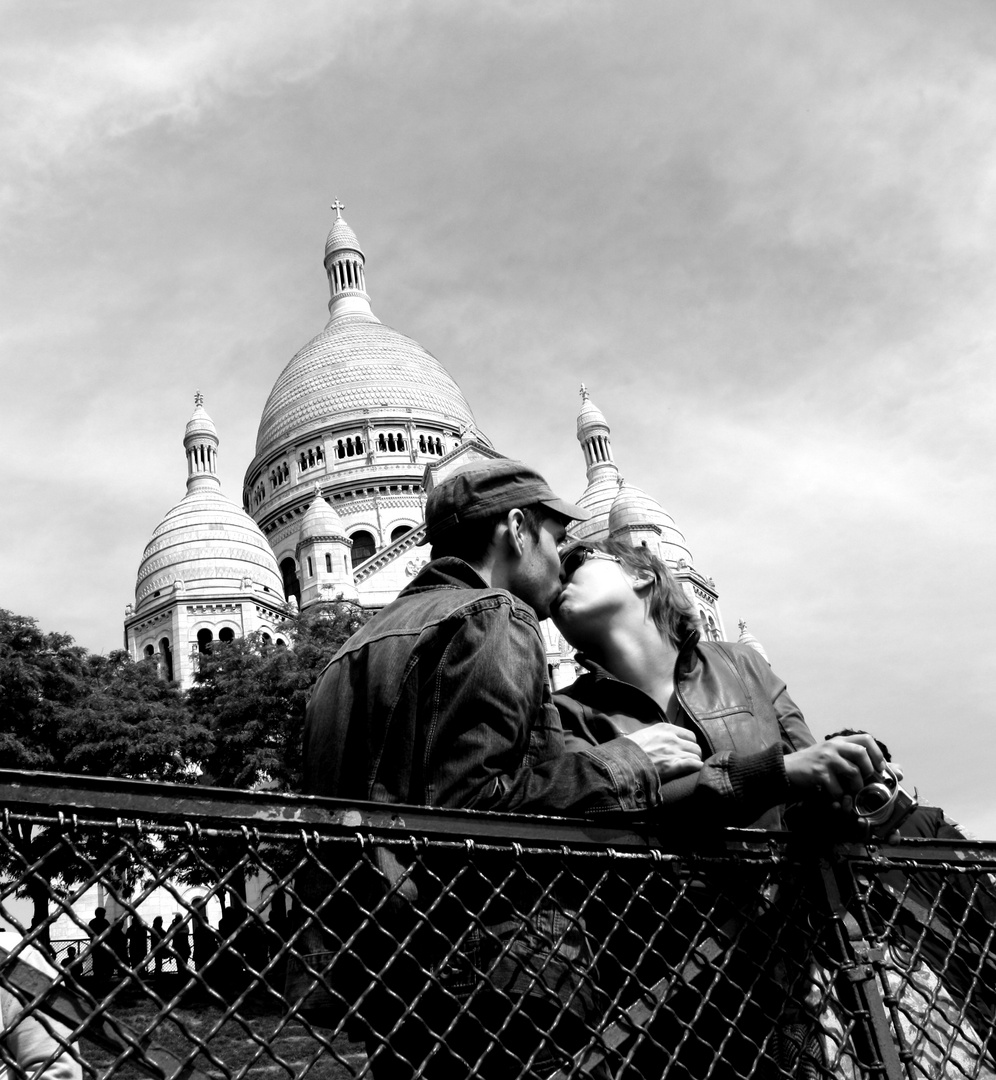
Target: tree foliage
{"type": "Point", "coordinates": [252, 695]}
{"type": "Point", "coordinates": [240, 725]}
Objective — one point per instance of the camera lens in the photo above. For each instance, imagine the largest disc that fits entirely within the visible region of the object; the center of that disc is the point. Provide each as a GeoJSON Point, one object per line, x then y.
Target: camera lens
{"type": "Point", "coordinates": [872, 798]}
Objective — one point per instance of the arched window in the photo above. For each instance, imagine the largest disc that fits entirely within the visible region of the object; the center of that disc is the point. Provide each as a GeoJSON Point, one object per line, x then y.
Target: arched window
{"type": "Point", "coordinates": [204, 639]}
{"type": "Point", "coordinates": [340, 449]}
{"type": "Point", "coordinates": [390, 441]}
{"type": "Point", "coordinates": [359, 445]}
{"type": "Point", "coordinates": [328, 563]}
{"type": "Point", "coordinates": [292, 587]}
{"type": "Point", "coordinates": [226, 633]}
{"type": "Point", "coordinates": [364, 546]}
{"type": "Point", "coordinates": [381, 442]}
{"type": "Point", "coordinates": [401, 530]}
{"type": "Point", "coordinates": [167, 655]}
{"type": "Point", "coordinates": [439, 446]}
{"type": "Point", "coordinates": [281, 644]}
{"type": "Point", "coordinates": [421, 443]}
{"type": "Point", "coordinates": [150, 651]}
{"type": "Point", "coordinates": [349, 447]}
{"type": "Point", "coordinates": [401, 441]}
{"type": "Point", "coordinates": [267, 640]}
{"type": "Point", "coordinates": [311, 568]}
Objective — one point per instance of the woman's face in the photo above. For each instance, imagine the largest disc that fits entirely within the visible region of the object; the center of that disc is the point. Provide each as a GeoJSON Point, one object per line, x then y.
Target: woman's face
{"type": "Point", "coordinates": [596, 591]}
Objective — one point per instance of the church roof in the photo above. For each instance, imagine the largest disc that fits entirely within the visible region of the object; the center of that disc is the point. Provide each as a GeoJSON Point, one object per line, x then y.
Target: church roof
{"type": "Point", "coordinates": [200, 423]}
{"type": "Point", "coordinates": [206, 546]}
{"type": "Point", "coordinates": [211, 546]}
{"type": "Point", "coordinates": [747, 638]}
{"type": "Point", "coordinates": [320, 520]}
{"type": "Point", "coordinates": [357, 363]}
{"type": "Point", "coordinates": [341, 236]}
{"type": "Point", "coordinates": [633, 506]}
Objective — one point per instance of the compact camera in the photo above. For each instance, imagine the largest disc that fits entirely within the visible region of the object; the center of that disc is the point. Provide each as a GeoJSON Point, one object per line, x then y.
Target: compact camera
{"type": "Point", "coordinates": [882, 804]}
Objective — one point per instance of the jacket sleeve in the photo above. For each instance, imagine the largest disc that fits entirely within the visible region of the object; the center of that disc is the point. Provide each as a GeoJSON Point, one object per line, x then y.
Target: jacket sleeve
{"type": "Point", "coordinates": [35, 1040]}
{"type": "Point", "coordinates": [498, 742]}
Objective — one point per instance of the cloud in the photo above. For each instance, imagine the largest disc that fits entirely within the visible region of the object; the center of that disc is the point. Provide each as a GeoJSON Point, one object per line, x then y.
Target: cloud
{"type": "Point", "coordinates": [71, 86]}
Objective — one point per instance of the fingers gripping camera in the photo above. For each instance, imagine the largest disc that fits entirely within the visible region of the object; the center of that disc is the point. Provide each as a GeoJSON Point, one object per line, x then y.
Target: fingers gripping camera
{"type": "Point", "coordinates": [883, 804]}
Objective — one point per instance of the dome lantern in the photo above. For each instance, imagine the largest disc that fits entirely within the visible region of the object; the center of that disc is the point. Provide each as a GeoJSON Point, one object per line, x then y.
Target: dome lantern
{"type": "Point", "coordinates": [200, 441]}
{"type": "Point", "coordinates": [345, 267]}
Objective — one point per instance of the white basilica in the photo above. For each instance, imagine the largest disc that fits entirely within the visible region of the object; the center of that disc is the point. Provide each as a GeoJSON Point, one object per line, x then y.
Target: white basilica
{"type": "Point", "coordinates": [357, 428]}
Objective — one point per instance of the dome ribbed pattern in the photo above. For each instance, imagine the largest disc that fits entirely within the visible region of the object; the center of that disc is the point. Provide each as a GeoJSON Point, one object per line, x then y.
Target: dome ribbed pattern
{"type": "Point", "coordinates": [590, 416]}
{"type": "Point", "coordinates": [200, 424]}
{"type": "Point", "coordinates": [207, 542]}
{"type": "Point", "coordinates": [341, 236]}
{"type": "Point", "coordinates": [355, 364]}
{"type": "Point", "coordinates": [632, 506]}
{"type": "Point", "coordinates": [320, 520]}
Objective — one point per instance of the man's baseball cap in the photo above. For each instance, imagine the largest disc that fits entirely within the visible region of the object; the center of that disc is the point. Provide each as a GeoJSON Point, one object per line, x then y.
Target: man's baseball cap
{"type": "Point", "coordinates": [481, 488]}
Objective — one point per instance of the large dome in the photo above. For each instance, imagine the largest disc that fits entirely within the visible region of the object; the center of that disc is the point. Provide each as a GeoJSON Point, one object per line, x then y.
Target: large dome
{"type": "Point", "coordinates": [357, 364]}
{"type": "Point", "coordinates": [206, 543]}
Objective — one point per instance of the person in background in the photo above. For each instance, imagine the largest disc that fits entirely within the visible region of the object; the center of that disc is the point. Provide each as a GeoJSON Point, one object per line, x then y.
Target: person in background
{"type": "Point", "coordinates": [180, 942]}
{"type": "Point", "coordinates": [102, 958]}
{"type": "Point", "coordinates": [156, 935]}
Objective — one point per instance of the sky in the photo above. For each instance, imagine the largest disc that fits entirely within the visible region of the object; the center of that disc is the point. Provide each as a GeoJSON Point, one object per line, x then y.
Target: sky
{"type": "Point", "coordinates": [762, 234]}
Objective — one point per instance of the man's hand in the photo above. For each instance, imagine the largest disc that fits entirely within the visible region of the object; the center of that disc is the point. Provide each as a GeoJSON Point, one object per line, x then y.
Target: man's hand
{"type": "Point", "coordinates": [671, 748]}
{"type": "Point", "coordinates": [838, 768]}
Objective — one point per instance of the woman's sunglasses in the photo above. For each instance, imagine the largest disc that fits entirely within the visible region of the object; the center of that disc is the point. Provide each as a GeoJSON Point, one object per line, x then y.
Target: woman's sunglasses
{"type": "Point", "coordinates": [574, 559]}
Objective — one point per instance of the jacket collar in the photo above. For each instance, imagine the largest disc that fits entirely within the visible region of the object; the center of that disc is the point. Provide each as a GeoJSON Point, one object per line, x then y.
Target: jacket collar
{"type": "Point", "coordinates": [445, 573]}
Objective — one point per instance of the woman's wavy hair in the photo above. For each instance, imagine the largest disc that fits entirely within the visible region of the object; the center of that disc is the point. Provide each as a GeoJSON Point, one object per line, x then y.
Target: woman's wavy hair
{"type": "Point", "coordinates": [672, 610]}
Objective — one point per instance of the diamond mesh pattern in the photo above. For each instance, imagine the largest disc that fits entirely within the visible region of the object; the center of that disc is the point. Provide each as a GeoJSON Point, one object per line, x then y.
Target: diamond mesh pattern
{"type": "Point", "coordinates": [453, 945]}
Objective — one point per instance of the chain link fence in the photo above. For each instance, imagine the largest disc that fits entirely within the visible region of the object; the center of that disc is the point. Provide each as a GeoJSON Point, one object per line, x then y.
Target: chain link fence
{"type": "Point", "coordinates": [303, 936]}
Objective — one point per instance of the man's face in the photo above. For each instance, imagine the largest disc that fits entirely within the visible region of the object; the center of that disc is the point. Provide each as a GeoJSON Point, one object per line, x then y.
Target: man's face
{"type": "Point", "coordinates": [536, 578]}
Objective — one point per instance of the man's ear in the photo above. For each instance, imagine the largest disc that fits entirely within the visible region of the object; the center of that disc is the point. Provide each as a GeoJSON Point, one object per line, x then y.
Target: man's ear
{"type": "Point", "coordinates": [515, 528]}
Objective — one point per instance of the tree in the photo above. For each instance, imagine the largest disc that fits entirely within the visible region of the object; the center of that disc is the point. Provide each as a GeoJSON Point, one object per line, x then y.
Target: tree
{"type": "Point", "coordinates": [65, 710]}
{"type": "Point", "coordinates": [252, 695]}
{"type": "Point", "coordinates": [129, 722]}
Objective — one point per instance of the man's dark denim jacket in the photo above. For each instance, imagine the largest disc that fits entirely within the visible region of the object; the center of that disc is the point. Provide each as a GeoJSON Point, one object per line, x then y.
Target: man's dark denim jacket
{"type": "Point", "coordinates": [442, 699]}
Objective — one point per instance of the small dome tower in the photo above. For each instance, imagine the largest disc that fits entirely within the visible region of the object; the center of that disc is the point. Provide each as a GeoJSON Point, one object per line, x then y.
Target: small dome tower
{"type": "Point", "coordinates": [207, 573]}
{"type": "Point", "coordinates": [640, 519]}
{"type": "Point", "coordinates": [602, 472]}
{"type": "Point", "coordinates": [747, 638]}
{"type": "Point", "coordinates": [345, 265]}
{"type": "Point", "coordinates": [323, 555]}
{"type": "Point", "coordinates": [625, 512]}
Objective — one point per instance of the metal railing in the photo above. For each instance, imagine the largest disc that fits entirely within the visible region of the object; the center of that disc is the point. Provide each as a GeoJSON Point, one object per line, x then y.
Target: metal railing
{"type": "Point", "coordinates": [307, 936]}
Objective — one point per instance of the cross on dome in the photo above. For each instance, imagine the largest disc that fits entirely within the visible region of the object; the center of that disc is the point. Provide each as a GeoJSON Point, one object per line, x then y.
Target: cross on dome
{"type": "Point", "coordinates": [743, 625]}
{"type": "Point", "coordinates": [584, 392]}
{"type": "Point", "coordinates": [198, 398]}
{"type": "Point", "coordinates": [338, 207]}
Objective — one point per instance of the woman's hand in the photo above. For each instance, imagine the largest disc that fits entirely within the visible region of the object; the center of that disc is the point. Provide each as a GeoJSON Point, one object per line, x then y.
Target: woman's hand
{"type": "Point", "coordinates": [671, 748]}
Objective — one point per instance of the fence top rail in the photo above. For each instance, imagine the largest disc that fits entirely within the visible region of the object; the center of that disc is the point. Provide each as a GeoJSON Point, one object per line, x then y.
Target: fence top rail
{"type": "Point", "coordinates": [60, 796]}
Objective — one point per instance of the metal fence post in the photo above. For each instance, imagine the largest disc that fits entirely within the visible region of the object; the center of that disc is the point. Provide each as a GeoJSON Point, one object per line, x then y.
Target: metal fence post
{"type": "Point", "coordinates": [857, 985]}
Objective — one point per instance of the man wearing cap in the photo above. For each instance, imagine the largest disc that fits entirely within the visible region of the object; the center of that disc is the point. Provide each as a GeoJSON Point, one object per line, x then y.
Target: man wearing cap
{"type": "Point", "coordinates": [442, 699]}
